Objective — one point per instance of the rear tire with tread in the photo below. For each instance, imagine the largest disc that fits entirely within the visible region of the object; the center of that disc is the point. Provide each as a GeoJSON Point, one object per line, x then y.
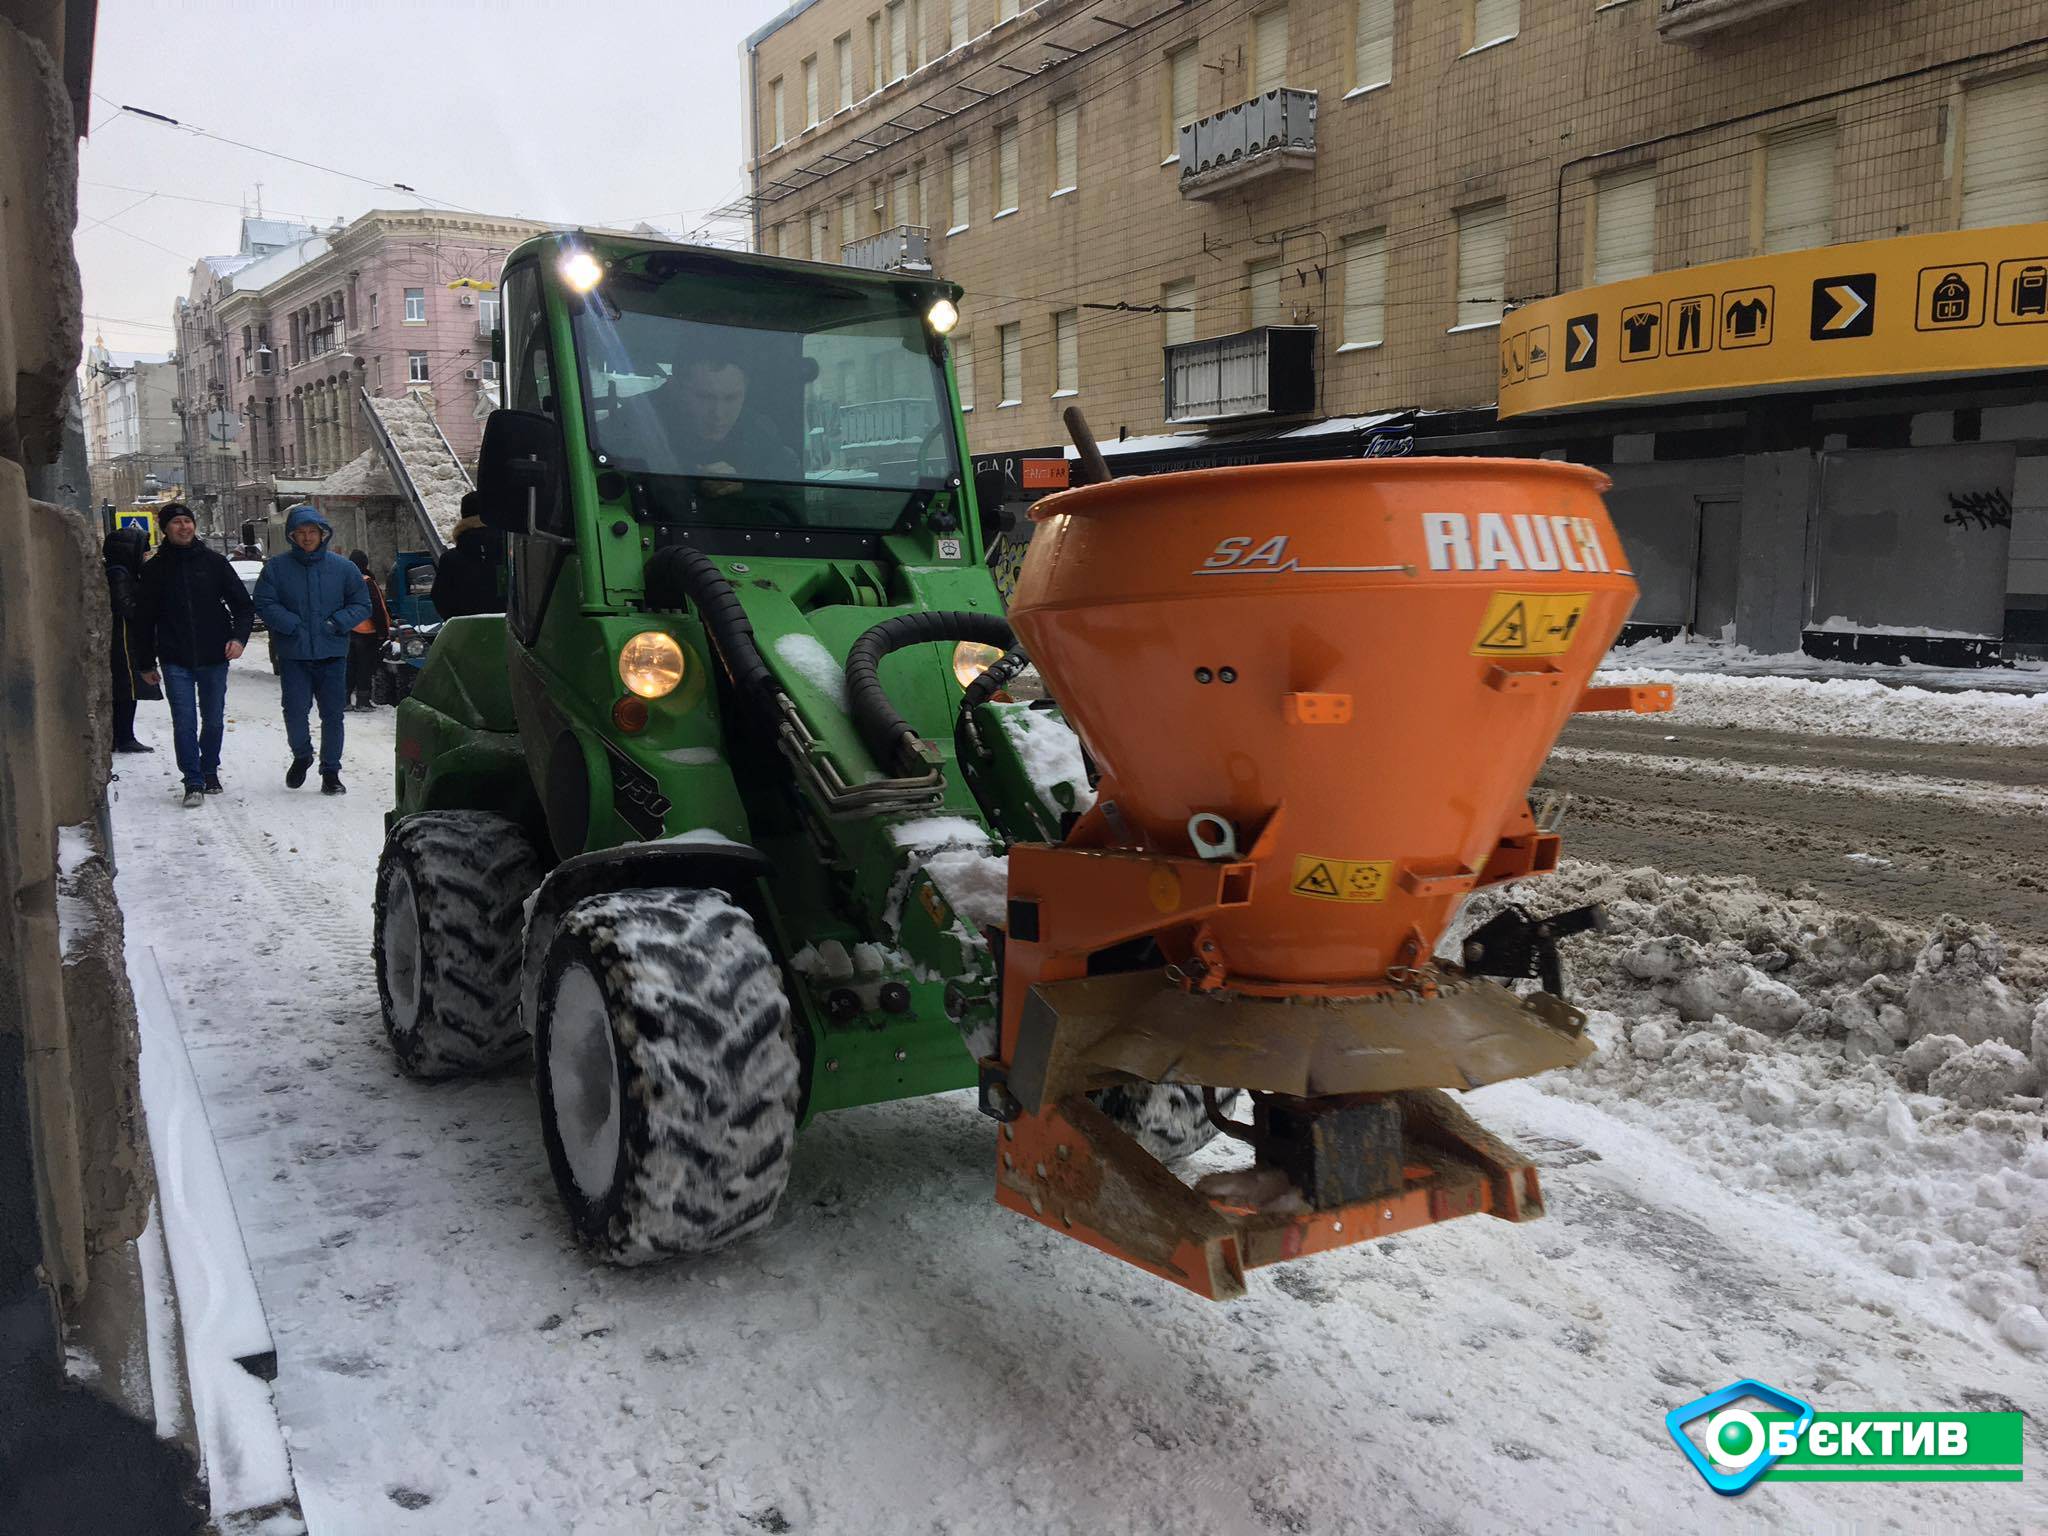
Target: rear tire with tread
{"type": "Point", "coordinates": [451, 896]}
{"type": "Point", "coordinates": [667, 1073]}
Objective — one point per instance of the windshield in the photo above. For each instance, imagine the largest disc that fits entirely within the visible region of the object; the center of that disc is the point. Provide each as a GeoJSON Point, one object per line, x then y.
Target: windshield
{"type": "Point", "coordinates": [755, 398]}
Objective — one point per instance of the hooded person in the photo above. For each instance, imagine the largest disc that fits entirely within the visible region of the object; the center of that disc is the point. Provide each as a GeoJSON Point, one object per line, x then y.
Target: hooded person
{"type": "Point", "coordinates": [466, 577]}
{"type": "Point", "coordinates": [124, 550]}
{"type": "Point", "coordinates": [312, 599]}
{"type": "Point", "coordinates": [366, 640]}
{"type": "Point", "coordinates": [192, 617]}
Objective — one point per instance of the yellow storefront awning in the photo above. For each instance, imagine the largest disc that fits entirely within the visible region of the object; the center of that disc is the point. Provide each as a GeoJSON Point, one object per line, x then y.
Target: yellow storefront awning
{"type": "Point", "coordinates": [1882, 311]}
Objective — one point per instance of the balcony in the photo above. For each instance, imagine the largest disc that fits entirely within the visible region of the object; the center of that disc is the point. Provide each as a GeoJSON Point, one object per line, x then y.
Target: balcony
{"type": "Point", "coordinates": [1270, 371]}
{"type": "Point", "coordinates": [906, 248]}
{"type": "Point", "coordinates": [1267, 135]}
{"type": "Point", "coordinates": [1686, 21]}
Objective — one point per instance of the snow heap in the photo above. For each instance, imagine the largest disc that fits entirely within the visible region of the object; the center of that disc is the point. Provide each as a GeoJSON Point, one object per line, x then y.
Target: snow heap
{"type": "Point", "coordinates": [1889, 1080]}
{"type": "Point", "coordinates": [437, 475]}
{"type": "Point", "coordinates": [806, 656]}
{"type": "Point", "coordinates": [1846, 707]}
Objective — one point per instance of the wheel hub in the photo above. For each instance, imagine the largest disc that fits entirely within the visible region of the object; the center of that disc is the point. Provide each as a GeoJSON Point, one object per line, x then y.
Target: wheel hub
{"type": "Point", "coordinates": [583, 1077]}
{"type": "Point", "coordinates": [402, 952]}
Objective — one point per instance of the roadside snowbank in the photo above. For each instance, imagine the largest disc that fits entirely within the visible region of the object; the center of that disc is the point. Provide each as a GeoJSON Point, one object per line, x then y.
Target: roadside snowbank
{"type": "Point", "coordinates": [1887, 1081]}
{"type": "Point", "coordinates": [1845, 707]}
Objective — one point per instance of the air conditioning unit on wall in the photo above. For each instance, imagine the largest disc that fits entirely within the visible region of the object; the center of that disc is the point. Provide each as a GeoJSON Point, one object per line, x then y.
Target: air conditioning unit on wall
{"type": "Point", "coordinates": [465, 299]}
{"type": "Point", "coordinates": [469, 374]}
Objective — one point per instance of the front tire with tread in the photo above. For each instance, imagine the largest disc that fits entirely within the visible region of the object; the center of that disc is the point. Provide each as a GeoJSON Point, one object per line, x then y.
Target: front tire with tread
{"type": "Point", "coordinates": [451, 895]}
{"type": "Point", "coordinates": [697, 1123]}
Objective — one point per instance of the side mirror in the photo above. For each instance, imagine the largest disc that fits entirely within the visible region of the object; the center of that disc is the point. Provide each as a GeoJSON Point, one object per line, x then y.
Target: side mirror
{"type": "Point", "coordinates": [519, 472]}
{"type": "Point", "coordinates": [991, 489]}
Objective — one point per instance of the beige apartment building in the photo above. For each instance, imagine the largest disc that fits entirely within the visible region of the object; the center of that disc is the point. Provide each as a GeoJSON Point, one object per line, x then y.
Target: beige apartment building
{"type": "Point", "coordinates": [1234, 230]}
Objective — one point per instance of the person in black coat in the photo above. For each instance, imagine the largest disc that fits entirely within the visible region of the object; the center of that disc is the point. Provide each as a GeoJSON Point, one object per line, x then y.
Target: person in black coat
{"type": "Point", "coordinates": [469, 577]}
{"type": "Point", "coordinates": [194, 615]}
{"type": "Point", "coordinates": [124, 550]}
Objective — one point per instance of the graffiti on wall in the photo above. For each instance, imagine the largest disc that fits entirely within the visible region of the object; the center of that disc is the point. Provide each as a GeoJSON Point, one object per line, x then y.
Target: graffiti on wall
{"type": "Point", "coordinates": [1979, 510]}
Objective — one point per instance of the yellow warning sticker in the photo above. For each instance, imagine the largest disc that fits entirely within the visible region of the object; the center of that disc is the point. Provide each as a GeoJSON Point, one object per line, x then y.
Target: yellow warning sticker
{"type": "Point", "coordinates": [1341, 879]}
{"type": "Point", "coordinates": [1530, 623]}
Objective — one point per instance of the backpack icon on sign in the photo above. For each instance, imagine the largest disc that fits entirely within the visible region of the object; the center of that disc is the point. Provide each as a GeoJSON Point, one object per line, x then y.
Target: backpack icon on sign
{"type": "Point", "coordinates": [1951, 300]}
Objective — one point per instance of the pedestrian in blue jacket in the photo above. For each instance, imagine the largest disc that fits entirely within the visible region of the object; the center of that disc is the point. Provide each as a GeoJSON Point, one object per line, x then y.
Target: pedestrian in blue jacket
{"type": "Point", "coordinates": [311, 598]}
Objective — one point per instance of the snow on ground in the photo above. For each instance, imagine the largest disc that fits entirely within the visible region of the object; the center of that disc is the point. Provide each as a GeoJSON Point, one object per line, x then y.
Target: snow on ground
{"type": "Point", "coordinates": [895, 1353]}
{"type": "Point", "coordinates": [1689, 655]}
{"type": "Point", "coordinates": [1844, 707]}
{"type": "Point", "coordinates": [1978, 794]}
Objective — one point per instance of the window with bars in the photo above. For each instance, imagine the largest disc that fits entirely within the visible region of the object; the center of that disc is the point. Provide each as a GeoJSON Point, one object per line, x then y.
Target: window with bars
{"type": "Point", "coordinates": [963, 370]}
{"type": "Point", "coordinates": [1066, 353]}
{"type": "Point", "coordinates": [1372, 43]}
{"type": "Point", "coordinates": [1269, 50]}
{"type": "Point", "coordinates": [1006, 169]}
{"type": "Point", "coordinates": [1625, 225]}
{"type": "Point", "coordinates": [1365, 289]}
{"type": "Point", "coordinates": [1066, 145]}
{"type": "Point", "coordinates": [842, 60]}
{"type": "Point", "coordinates": [811, 93]}
{"type": "Point", "coordinates": [1262, 283]}
{"type": "Point", "coordinates": [1010, 344]}
{"type": "Point", "coordinates": [957, 170]}
{"type": "Point", "coordinates": [1799, 189]}
{"type": "Point", "coordinates": [1482, 264]}
{"type": "Point", "coordinates": [1178, 300]}
{"type": "Point", "coordinates": [2005, 152]}
{"type": "Point", "coordinates": [1495, 21]}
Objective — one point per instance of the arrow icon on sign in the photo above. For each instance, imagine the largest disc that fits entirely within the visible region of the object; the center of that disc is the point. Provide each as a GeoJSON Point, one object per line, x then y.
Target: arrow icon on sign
{"type": "Point", "coordinates": [1849, 306]}
{"type": "Point", "coordinates": [1582, 344]}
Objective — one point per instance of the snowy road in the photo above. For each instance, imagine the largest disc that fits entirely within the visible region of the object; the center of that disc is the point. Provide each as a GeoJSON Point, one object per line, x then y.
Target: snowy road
{"type": "Point", "coordinates": [896, 1354]}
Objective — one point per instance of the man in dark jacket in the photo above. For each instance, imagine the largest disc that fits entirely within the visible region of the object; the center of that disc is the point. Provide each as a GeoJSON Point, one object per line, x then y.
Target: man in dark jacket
{"type": "Point", "coordinates": [366, 640]}
{"type": "Point", "coordinates": [466, 578]}
{"type": "Point", "coordinates": [124, 550]}
{"type": "Point", "coordinates": [192, 614]}
{"type": "Point", "coordinates": [311, 598]}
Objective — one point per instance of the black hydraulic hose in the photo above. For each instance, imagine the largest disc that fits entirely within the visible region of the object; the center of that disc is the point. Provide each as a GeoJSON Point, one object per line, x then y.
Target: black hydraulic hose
{"type": "Point", "coordinates": [887, 734]}
{"type": "Point", "coordinates": [681, 571]}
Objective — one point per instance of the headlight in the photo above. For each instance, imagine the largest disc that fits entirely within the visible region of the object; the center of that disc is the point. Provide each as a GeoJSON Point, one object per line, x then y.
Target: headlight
{"type": "Point", "coordinates": [942, 317]}
{"type": "Point", "coordinates": [651, 664]}
{"type": "Point", "coordinates": [415, 647]}
{"type": "Point", "coordinates": [581, 271]}
{"type": "Point", "coordinates": [971, 658]}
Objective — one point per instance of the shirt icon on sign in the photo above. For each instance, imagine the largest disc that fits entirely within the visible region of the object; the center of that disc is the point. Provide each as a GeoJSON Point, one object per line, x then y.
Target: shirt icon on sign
{"type": "Point", "coordinates": [1746, 317]}
{"type": "Point", "coordinates": [1640, 325]}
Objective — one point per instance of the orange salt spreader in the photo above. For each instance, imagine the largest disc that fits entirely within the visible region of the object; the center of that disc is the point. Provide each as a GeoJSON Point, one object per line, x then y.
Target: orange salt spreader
{"type": "Point", "coordinates": [1318, 695]}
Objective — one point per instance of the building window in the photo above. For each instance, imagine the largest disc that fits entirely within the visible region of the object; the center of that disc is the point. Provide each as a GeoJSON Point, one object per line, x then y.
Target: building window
{"type": "Point", "coordinates": [1262, 284]}
{"type": "Point", "coordinates": [842, 59]}
{"type": "Point", "coordinates": [1010, 342]}
{"type": "Point", "coordinates": [416, 367]}
{"type": "Point", "coordinates": [1365, 289]}
{"type": "Point", "coordinates": [810, 93]}
{"type": "Point", "coordinates": [1178, 300]}
{"type": "Point", "coordinates": [1372, 44]}
{"type": "Point", "coordinates": [2005, 152]}
{"type": "Point", "coordinates": [878, 60]}
{"type": "Point", "coordinates": [1006, 169]}
{"type": "Point", "coordinates": [1066, 353]}
{"type": "Point", "coordinates": [899, 199]}
{"type": "Point", "coordinates": [1482, 264]}
{"type": "Point", "coordinates": [1066, 146]}
{"type": "Point", "coordinates": [1006, 10]}
{"type": "Point", "coordinates": [776, 120]}
{"type": "Point", "coordinates": [415, 306]}
{"type": "Point", "coordinates": [1495, 21]}
{"type": "Point", "coordinates": [373, 311]}
{"type": "Point", "coordinates": [1184, 95]}
{"type": "Point", "coordinates": [1269, 50]}
{"type": "Point", "coordinates": [899, 38]}
{"type": "Point", "coordinates": [963, 370]}
{"type": "Point", "coordinates": [849, 219]}
{"type": "Point", "coordinates": [957, 169]}
{"type": "Point", "coordinates": [486, 313]}
{"type": "Point", "coordinates": [1799, 189]}
{"type": "Point", "coordinates": [238, 367]}
{"type": "Point", "coordinates": [1625, 225]}
{"type": "Point", "coordinates": [487, 370]}
{"type": "Point", "coordinates": [959, 28]}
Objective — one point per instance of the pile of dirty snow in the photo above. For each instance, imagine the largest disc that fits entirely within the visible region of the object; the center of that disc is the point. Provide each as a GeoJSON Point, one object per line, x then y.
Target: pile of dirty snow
{"type": "Point", "coordinates": [1886, 1079]}
{"type": "Point", "coordinates": [1847, 707]}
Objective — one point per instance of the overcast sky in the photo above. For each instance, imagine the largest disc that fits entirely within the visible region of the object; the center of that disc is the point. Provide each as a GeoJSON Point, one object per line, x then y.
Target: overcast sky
{"type": "Point", "coordinates": [602, 112]}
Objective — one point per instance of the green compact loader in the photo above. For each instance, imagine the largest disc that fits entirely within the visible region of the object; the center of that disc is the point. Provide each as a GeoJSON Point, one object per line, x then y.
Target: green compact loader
{"type": "Point", "coordinates": [713, 818]}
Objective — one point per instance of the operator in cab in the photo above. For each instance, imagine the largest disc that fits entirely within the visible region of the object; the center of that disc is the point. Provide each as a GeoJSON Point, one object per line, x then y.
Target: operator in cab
{"type": "Point", "coordinates": [699, 421]}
